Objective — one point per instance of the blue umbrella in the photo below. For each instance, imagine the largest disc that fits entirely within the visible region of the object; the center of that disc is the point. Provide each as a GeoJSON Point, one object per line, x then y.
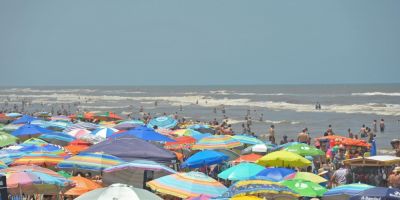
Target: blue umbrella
{"type": "Point", "coordinates": [274, 174]}
{"type": "Point", "coordinates": [204, 158]}
{"type": "Point", "coordinates": [380, 193]}
{"type": "Point", "coordinates": [163, 122]}
{"type": "Point", "coordinates": [57, 138]}
{"type": "Point", "coordinates": [25, 119]}
{"type": "Point", "coordinates": [145, 133]}
{"type": "Point", "coordinates": [344, 192]}
{"type": "Point", "coordinates": [201, 136]}
{"type": "Point", "coordinates": [29, 129]}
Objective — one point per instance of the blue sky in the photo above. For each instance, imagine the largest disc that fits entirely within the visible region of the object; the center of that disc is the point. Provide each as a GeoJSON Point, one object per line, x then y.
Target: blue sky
{"type": "Point", "coordinates": [126, 42]}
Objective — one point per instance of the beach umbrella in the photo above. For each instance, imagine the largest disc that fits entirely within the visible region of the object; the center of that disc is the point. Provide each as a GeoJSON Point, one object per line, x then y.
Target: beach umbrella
{"type": "Point", "coordinates": [3, 165]}
{"type": "Point", "coordinates": [305, 188]}
{"type": "Point", "coordinates": [126, 126]}
{"type": "Point", "coordinates": [135, 122]}
{"type": "Point", "coordinates": [108, 116]}
{"type": "Point", "coordinates": [283, 159]}
{"type": "Point", "coordinates": [282, 146]}
{"type": "Point", "coordinates": [34, 168]}
{"type": "Point", "coordinates": [86, 115]}
{"type": "Point", "coordinates": [59, 138]}
{"type": "Point", "coordinates": [242, 171]}
{"type": "Point", "coordinates": [246, 139]}
{"type": "Point", "coordinates": [257, 148]}
{"type": "Point", "coordinates": [260, 188]}
{"type": "Point", "coordinates": [247, 158]}
{"type": "Point", "coordinates": [232, 155]}
{"type": "Point", "coordinates": [304, 150]}
{"type": "Point", "coordinates": [29, 130]}
{"type": "Point", "coordinates": [118, 192]}
{"type": "Point", "coordinates": [81, 125]}
{"type": "Point", "coordinates": [201, 136]}
{"type": "Point", "coordinates": [145, 133]}
{"type": "Point", "coordinates": [82, 185]}
{"type": "Point", "coordinates": [381, 193]}
{"type": "Point", "coordinates": [134, 172]}
{"type": "Point", "coordinates": [33, 182]}
{"type": "Point", "coordinates": [58, 125]}
{"type": "Point", "coordinates": [8, 155]}
{"type": "Point", "coordinates": [77, 146]}
{"type": "Point", "coordinates": [104, 132]}
{"type": "Point", "coordinates": [274, 174]}
{"type": "Point", "coordinates": [163, 122]}
{"type": "Point", "coordinates": [7, 139]}
{"type": "Point", "coordinates": [183, 142]}
{"type": "Point", "coordinates": [204, 158]}
{"type": "Point", "coordinates": [246, 198]}
{"type": "Point", "coordinates": [13, 115]}
{"type": "Point", "coordinates": [25, 119]}
{"type": "Point", "coordinates": [77, 133]}
{"type": "Point", "coordinates": [186, 132]}
{"type": "Point", "coordinates": [34, 142]}
{"type": "Point", "coordinates": [90, 161]}
{"type": "Point", "coordinates": [39, 158]}
{"type": "Point", "coordinates": [50, 148]}
{"type": "Point", "coordinates": [200, 197]}
{"type": "Point", "coordinates": [217, 142]}
{"type": "Point", "coordinates": [344, 192]}
{"type": "Point", "coordinates": [60, 118]}
{"type": "Point", "coordinates": [185, 185]}
{"type": "Point", "coordinates": [64, 174]}
{"type": "Point", "coordinates": [11, 127]}
{"type": "Point", "coordinates": [306, 176]}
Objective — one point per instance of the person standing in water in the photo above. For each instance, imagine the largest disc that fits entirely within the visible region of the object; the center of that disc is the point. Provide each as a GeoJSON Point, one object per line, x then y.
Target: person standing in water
{"type": "Point", "coordinates": [271, 133]}
{"type": "Point", "coordinates": [350, 133]}
{"type": "Point", "coordinates": [382, 126]}
{"type": "Point", "coordinates": [374, 125]}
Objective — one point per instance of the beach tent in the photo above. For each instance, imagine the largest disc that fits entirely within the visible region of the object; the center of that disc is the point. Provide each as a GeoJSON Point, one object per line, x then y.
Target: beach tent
{"type": "Point", "coordinates": [131, 148]}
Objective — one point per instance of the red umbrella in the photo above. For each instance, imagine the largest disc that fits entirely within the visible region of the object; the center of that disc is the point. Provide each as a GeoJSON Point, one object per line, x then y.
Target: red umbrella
{"type": "Point", "coordinates": [181, 143]}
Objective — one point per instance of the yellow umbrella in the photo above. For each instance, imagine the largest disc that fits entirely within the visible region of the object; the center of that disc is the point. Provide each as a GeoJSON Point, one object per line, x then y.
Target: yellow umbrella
{"type": "Point", "coordinates": [283, 159]}
{"type": "Point", "coordinates": [246, 198]}
{"type": "Point", "coordinates": [306, 176]}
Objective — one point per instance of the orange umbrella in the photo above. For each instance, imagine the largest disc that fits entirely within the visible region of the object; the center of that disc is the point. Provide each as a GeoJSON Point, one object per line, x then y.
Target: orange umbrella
{"type": "Point", "coordinates": [82, 185]}
{"type": "Point", "coordinates": [181, 143]}
{"type": "Point", "coordinates": [77, 146]}
{"type": "Point", "coordinates": [108, 116]}
{"type": "Point", "coordinates": [179, 156]}
{"type": "Point", "coordinates": [43, 159]}
{"type": "Point", "coordinates": [354, 142]}
{"type": "Point", "coordinates": [247, 158]}
{"type": "Point", "coordinates": [86, 115]}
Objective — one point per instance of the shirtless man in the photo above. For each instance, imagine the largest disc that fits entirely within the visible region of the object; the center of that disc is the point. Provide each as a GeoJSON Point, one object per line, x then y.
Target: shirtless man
{"type": "Point", "coordinates": [302, 137]}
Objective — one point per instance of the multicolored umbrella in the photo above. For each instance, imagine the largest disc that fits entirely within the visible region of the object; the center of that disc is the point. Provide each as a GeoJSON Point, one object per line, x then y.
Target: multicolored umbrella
{"type": "Point", "coordinates": [304, 150]}
{"type": "Point", "coordinates": [283, 159]}
{"type": "Point", "coordinates": [34, 142]}
{"type": "Point", "coordinates": [7, 139]}
{"type": "Point", "coordinates": [39, 158]}
{"type": "Point", "coordinates": [64, 174]}
{"type": "Point", "coordinates": [104, 132]}
{"type": "Point", "coordinates": [344, 192]}
{"type": "Point", "coordinates": [82, 185]}
{"type": "Point", "coordinates": [305, 188]}
{"type": "Point", "coordinates": [33, 182]}
{"type": "Point", "coordinates": [306, 176]}
{"type": "Point", "coordinates": [183, 142]}
{"type": "Point", "coordinates": [81, 125]}
{"type": "Point", "coordinates": [185, 185]}
{"type": "Point", "coordinates": [217, 142]}
{"type": "Point", "coordinates": [108, 116]}
{"type": "Point", "coordinates": [3, 165]}
{"type": "Point", "coordinates": [247, 158]}
{"type": "Point", "coordinates": [274, 174]}
{"type": "Point", "coordinates": [34, 168]}
{"type": "Point", "coordinates": [242, 171]}
{"type": "Point", "coordinates": [260, 188]}
{"type": "Point", "coordinates": [77, 133]}
{"type": "Point", "coordinates": [163, 122]}
{"type": "Point", "coordinates": [58, 125]}
{"type": "Point", "coordinates": [246, 139]}
{"type": "Point", "coordinates": [77, 146]}
{"type": "Point", "coordinates": [59, 138]}
{"type": "Point", "coordinates": [118, 192]}
{"type": "Point", "coordinates": [204, 158]}
{"type": "Point", "coordinates": [86, 115]}
{"type": "Point", "coordinates": [90, 161]}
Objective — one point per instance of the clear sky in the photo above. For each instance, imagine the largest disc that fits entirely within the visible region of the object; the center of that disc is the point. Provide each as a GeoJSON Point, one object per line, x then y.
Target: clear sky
{"type": "Point", "coordinates": [130, 42]}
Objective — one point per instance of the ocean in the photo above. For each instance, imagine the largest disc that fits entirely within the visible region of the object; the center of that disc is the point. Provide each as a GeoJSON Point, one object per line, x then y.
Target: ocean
{"type": "Point", "coordinates": [289, 107]}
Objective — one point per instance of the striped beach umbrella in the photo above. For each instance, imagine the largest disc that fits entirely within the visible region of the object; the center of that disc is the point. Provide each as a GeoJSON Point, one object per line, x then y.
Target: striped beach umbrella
{"type": "Point", "coordinates": [246, 139]}
{"type": "Point", "coordinates": [104, 132]}
{"type": "Point", "coordinates": [34, 141]}
{"type": "Point", "coordinates": [163, 122]}
{"type": "Point", "coordinates": [183, 142]}
{"type": "Point", "coordinates": [185, 185]}
{"type": "Point", "coordinates": [39, 158]}
{"type": "Point", "coordinates": [90, 161]}
{"type": "Point", "coordinates": [217, 142]}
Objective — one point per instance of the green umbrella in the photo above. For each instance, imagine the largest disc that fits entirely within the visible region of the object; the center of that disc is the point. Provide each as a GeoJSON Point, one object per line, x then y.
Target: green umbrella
{"type": "Point", "coordinates": [304, 150]}
{"type": "Point", "coordinates": [305, 188]}
{"type": "Point", "coordinates": [242, 171]}
{"type": "Point", "coordinates": [7, 139]}
{"type": "Point", "coordinates": [64, 174]}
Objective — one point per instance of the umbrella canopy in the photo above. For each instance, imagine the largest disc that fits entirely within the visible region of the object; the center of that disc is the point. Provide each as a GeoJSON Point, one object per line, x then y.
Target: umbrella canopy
{"type": "Point", "coordinates": [185, 185]}
{"type": "Point", "coordinates": [77, 133]}
{"type": "Point", "coordinates": [7, 139]}
{"type": "Point", "coordinates": [283, 159]}
{"type": "Point", "coordinates": [131, 148]}
{"type": "Point", "coordinates": [34, 168]}
{"type": "Point", "coordinates": [64, 174]}
{"type": "Point", "coordinates": [13, 115]}
{"type": "Point", "coordinates": [86, 115]}
{"type": "Point", "coordinates": [77, 146]}
{"type": "Point", "coordinates": [39, 158]}
{"type": "Point", "coordinates": [104, 132]}
{"type": "Point", "coordinates": [134, 172]}
{"type": "Point", "coordinates": [257, 148]}
{"type": "Point", "coordinates": [204, 158]}
{"type": "Point", "coordinates": [183, 142]}
{"type": "Point", "coordinates": [58, 125]}
{"type": "Point", "coordinates": [33, 182]}
{"type": "Point", "coordinates": [241, 171]}
{"type": "Point", "coordinates": [217, 142]}
{"type": "Point", "coordinates": [274, 174]}
{"type": "Point", "coordinates": [163, 122]}
{"type": "Point", "coordinates": [82, 185]}
{"type": "Point", "coordinates": [247, 158]}
{"type": "Point", "coordinates": [35, 142]}
{"type": "Point", "coordinates": [108, 116]}
{"type": "Point", "coordinates": [145, 133]}
{"type": "Point", "coordinates": [90, 161]}
{"type": "Point", "coordinates": [29, 130]}
{"type": "Point", "coordinates": [11, 127]}
{"type": "Point", "coordinates": [59, 138]}
{"type": "Point", "coordinates": [306, 176]}
{"type": "Point", "coordinates": [282, 146]}
{"type": "Point", "coordinates": [304, 150]}
{"type": "Point", "coordinates": [82, 125]}
{"type": "Point", "coordinates": [25, 119]}
{"type": "Point", "coordinates": [380, 193]}
{"type": "Point", "coordinates": [120, 192]}
{"type": "Point", "coordinates": [344, 192]}
{"type": "Point", "coordinates": [246, 139]}
{"type": "Point", "coordinates": [261, 188]}
{"type": "Point", "coordinates": [305, 188]}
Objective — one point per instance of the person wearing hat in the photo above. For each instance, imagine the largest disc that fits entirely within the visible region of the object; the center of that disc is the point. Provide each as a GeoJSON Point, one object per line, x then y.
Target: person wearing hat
{"type": "Point", "coordinates": [324, 174]}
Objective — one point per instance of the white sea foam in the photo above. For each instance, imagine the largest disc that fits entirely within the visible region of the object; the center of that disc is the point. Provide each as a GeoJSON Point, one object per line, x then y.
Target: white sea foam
{"type": "Point", "coordinates": [376, 94]}
{"type": "Point", "coordinates": [30, 90]}
{"type": "Point", "coordinates": [282, 122]}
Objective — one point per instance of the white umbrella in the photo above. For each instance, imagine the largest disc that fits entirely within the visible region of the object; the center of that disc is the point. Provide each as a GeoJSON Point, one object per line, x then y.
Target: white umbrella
{"type": "Point", "coordinates": [118, 191]}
